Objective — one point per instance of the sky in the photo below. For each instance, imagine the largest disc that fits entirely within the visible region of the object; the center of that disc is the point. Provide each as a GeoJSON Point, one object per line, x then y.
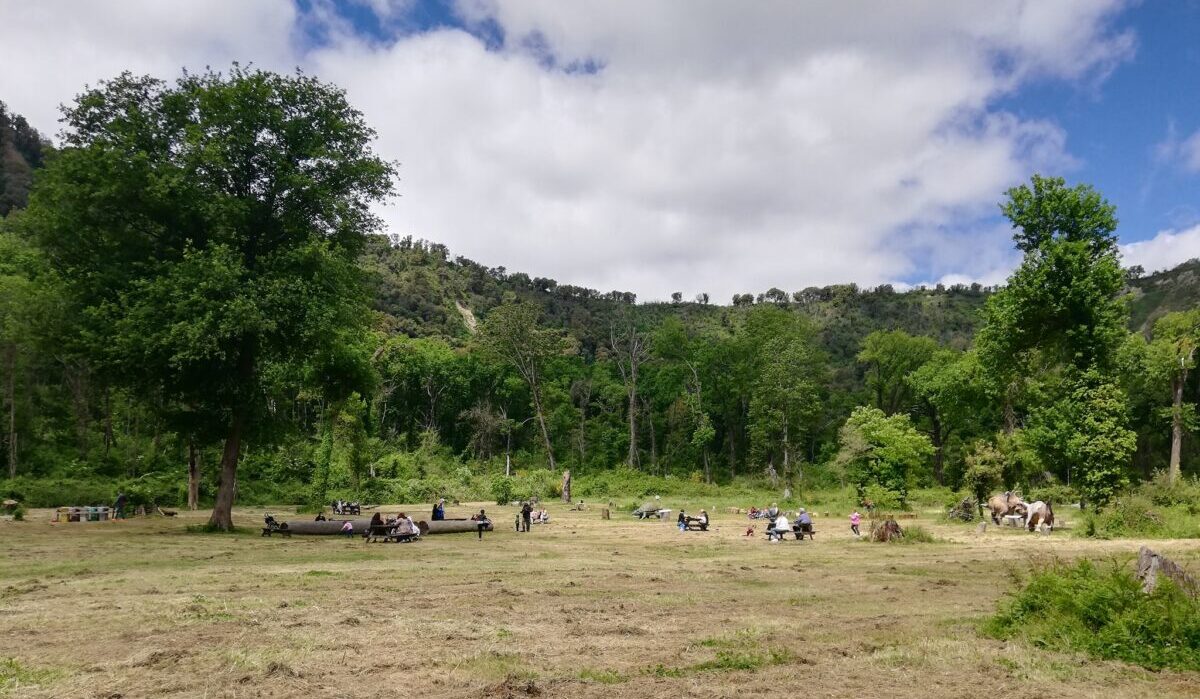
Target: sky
{"type": "Point", "coordinates": [702, 146]}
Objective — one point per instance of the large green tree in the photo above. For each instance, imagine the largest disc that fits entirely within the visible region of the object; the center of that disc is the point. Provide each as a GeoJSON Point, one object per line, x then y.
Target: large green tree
{"type": "Point", "coordinates": [209, 229]}
{"type": "Point", "coordinates": [889, 357]}
{"type": "Point", "coordinates": [1170, 356]}
{"type": "Point", "coordinates": [881, 450]}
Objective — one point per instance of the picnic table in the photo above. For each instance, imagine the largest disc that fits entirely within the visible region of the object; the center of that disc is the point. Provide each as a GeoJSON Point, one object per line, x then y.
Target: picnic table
{"type": "Point", "coordinates": [388, 533]}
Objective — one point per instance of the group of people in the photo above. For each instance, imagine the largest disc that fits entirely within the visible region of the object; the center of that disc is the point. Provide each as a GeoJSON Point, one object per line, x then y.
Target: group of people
{"type": "Point", "coordinates": [401, 524]}
{"type": "Point", "coordinates": [684, 520]}
{"type": "Point", "coordinates": [529, 515]}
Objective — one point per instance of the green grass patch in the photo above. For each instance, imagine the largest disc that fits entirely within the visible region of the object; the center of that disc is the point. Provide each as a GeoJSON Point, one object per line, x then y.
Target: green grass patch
{"type": "Point", "coordinates": [14, 675]}
{"type": "Point", "coordinates": [601, 676]}
{"type": "Point", "coordinates": [1103, 612]}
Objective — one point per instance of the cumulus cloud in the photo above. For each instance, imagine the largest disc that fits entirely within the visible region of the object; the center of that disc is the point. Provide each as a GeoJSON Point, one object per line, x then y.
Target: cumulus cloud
{"type": "Point", "coordinates": [691, 146]}
{"type": "Point", "coordinates": [1165, 250]}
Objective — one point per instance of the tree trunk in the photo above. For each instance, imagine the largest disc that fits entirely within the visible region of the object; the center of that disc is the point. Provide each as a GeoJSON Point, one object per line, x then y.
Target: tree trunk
{"type": "Point", "coordinates": [566, 486]}
{"type": "Point", "coordinates": [936, 437]}
{"type": "Point", "coordinates": [633, 454]}
{"type": "Point", "coordinates": [1176, 426]}
{"type": "Point", "coordinates": [537, 405]}
{"type": "Point", "coordinates": [193, 498]}
{"type": "Point", "coordinates": [108, 421]}
{"type": "Point", "coordinates": [222, 514]}
{"type": "Point", "coordinates": [653, 440]}
{"type": "Point", "coordinates": [10, 395]}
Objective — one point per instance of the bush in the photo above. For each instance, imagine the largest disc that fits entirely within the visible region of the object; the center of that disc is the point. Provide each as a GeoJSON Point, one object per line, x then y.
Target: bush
{"type": "Point", "coordinates": [502, 489]}
{"type": "Point", "coordinates": [1161, 492]}
{"type": "Point", "coordinates": [1104, 613]}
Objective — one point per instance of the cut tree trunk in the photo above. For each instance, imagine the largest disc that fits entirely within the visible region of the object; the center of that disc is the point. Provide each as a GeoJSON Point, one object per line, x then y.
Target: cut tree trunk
{"type": "Point", "coordinates": [566, 486]}
{"type": "Point", "coordinates": [193, 477]}
{"type": "Point", "coordinates": [1151, 565]}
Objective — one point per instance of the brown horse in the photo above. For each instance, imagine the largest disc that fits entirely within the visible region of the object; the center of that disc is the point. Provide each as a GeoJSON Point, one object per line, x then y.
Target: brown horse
{"type": "Point", "coordinates": [1009, 503]}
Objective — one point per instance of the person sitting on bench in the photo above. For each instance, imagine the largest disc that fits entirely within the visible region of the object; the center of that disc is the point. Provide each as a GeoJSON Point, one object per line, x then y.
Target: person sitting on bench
{"type": "Point", "coordinates": [404, 528]}
{"type": "Point", "coordinates": [682, 521]}
{"type": "Point", "coordinates": [543, 517]}
{"type": "Point", "coordinates": [416, 531]}
{"type": "Point", "coordinates": [803, 523]}
{"type": "Point", "coordinates": [781, 527]}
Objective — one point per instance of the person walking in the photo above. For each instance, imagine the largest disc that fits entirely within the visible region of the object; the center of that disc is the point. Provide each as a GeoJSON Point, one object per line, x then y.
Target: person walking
{"type": "Point", "coordinates": [119, 505]}
{"type": "Point", "coordinates": [481, 523]}
{"type": "Point", "coordinates": [855, 520]}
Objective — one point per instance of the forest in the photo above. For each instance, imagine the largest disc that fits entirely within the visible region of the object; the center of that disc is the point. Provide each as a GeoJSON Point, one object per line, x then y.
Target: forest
{"type": "Point", "coordinates": [198, 306]}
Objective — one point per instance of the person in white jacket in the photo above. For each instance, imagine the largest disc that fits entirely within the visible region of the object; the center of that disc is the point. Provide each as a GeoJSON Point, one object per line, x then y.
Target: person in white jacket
{"type": "Point", "coordinates": [781, 527]}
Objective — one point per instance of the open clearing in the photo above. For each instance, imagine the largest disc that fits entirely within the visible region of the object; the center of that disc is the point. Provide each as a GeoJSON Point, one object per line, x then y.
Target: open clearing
{"type": "Point", "coordinates": [578, 608]}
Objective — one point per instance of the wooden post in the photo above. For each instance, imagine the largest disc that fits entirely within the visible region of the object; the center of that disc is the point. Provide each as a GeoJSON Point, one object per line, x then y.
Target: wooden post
{"type": "Point", "coordinates": [604, 513]}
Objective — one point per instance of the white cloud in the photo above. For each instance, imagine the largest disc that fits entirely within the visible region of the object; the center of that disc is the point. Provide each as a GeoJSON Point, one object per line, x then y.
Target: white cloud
{"type": "Point", "coordinates": [722, 146]}
{"type": "Point", "coordinates": [1165, 250]}
{"type": "Point", "coordinates": [1173, 150]}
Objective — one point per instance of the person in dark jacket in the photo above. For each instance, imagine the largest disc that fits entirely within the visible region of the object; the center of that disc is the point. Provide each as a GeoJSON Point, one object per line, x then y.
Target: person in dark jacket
{"type": "Point", "coordinates": [439, 510]}
{"type": "Point", "coordinates": [526, 514]}
{"type": "Point", "coordinates": [119, 506]}
{"type": "Point", "coordinates": [481, 523]}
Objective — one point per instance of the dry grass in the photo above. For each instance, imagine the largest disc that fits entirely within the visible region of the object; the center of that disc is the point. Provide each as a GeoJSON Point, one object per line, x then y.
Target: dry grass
{"type": "Point", "coordinates": [579, 608]}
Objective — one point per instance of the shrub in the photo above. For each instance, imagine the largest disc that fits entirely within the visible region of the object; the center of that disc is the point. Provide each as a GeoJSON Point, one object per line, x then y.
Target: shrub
{"type": "Point", "coordinates": [502, 489]}
{"type": "Point", "coordinates": [1161, 492]}
{"type": "Point", "coordinates": [1104, 613]}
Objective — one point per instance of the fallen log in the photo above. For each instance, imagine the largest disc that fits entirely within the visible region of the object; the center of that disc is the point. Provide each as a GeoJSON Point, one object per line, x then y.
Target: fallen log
{"type": "Point", "coordinates": [451, 526]}
{"type": "Point", "coordinates": [333, 527]}
{"type": "Point", "coordinates": [326, 528]}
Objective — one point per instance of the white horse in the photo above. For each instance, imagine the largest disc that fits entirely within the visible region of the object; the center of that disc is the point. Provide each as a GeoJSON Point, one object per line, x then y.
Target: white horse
{"type": "Point", "coordinates": [1039, 514]}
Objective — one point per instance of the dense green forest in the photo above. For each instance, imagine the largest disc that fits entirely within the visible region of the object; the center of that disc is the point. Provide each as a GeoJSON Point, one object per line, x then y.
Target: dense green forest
{"type": "Point", "coordinates": [195, 306]}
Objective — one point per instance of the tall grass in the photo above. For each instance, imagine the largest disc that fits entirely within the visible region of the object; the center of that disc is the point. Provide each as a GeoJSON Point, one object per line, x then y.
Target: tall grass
{"type": "Point", "coordinates": [1102, 611]}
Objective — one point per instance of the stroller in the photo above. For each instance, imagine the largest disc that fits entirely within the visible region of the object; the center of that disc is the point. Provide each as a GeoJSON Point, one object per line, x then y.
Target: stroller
{"type": "Point", "coordinates": [271, 526]}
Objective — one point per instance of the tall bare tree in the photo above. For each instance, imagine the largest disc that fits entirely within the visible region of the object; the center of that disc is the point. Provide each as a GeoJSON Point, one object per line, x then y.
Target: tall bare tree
{"type": "Point", "coordinates": [630, 347]}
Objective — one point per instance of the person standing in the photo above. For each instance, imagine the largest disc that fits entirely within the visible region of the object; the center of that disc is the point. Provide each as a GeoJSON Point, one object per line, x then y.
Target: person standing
{"type": "Point", "coordinates": [526, 514]}
{"type": "Point", "coordinates": [439, 510]}
{"type": "Point", "coordinates": [119, 505]}
{"type": "Point", "coordinates": [481, 523]}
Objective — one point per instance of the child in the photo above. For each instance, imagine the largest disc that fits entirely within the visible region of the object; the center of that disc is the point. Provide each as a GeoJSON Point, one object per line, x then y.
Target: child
{"type": "Point", "coordinates": [855, 520]}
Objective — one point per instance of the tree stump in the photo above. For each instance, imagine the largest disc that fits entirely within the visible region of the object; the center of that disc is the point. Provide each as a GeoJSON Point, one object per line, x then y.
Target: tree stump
{"type": "Point", "coordinates": [1150, 565]}
{"type": "Point", "coordinates": [604, 514]}
{"type": "Point", "coordinates": [886, 530]}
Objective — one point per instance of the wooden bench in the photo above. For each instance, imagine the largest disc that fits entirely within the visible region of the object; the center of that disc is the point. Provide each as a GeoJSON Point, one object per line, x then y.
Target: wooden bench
{"type": "Point", "coordinates": [797, 534]}
{"type": "Point", "coordinates": [277, 529]}
{"type": "Point", "coordinates": [696, 525]}
{"type": "Point", "coordinates": [803, 531]}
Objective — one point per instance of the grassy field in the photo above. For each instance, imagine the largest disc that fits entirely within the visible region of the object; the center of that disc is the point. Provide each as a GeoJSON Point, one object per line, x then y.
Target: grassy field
{"type": "Point", "coordinates": [581, 607]}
